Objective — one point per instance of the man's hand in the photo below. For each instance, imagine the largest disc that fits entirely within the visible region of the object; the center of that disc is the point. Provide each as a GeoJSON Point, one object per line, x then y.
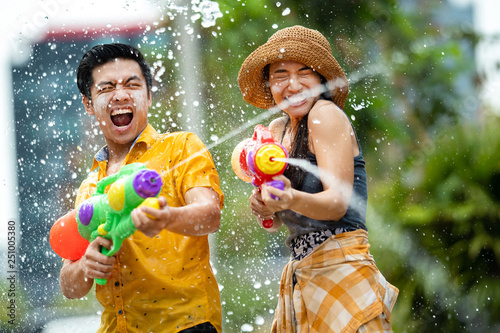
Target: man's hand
{"type": "Point", "coordinates": [77, 277]}
{"type": "Point", "coordinates": [151, 221]}
{"type": "Point", "coordinates": [200, 216]}
{"type": "Point", "coordinates": [96, 265]}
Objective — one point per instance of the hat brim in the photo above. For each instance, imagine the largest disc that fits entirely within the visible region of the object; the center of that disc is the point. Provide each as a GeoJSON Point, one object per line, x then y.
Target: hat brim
{"type": "Point", "coordinates": [255, 89]}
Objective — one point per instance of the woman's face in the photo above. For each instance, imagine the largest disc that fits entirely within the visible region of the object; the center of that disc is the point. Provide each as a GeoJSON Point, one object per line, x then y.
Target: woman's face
{"type": "Point", "coordinates": [291, 85]}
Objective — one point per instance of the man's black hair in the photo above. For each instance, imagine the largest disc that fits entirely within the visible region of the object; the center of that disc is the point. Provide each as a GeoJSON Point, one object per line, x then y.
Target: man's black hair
{"type": "Point", "coordinates": [101, 54]}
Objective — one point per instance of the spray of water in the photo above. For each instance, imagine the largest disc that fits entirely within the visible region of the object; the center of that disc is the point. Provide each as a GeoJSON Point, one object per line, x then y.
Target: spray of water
{"type": "Point", "coordinates": [356, 202]}
{"type": "Point", "coordinates": [206, 10]}
{"type": "Point", "coordinates": [315, 91]}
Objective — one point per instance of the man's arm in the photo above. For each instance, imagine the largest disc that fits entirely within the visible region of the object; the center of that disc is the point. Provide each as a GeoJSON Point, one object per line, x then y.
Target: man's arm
{"type": "Point", "coordinates": [200, 216]}
{"type": "Point", "coordinates": [77, 277]}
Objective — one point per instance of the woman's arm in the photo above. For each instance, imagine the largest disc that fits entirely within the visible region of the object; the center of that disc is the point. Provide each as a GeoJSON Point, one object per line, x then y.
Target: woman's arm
{"type": "Point", "coordinates": [332, 140]}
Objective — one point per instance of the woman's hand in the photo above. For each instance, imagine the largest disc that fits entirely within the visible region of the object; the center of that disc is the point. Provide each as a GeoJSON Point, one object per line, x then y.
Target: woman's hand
{"type": "Point", "coordinates": [263, 212]}
{"type": "Point", "coordinates": [258, 206]}
{"type": "Point", "coordinates": [283, 199]}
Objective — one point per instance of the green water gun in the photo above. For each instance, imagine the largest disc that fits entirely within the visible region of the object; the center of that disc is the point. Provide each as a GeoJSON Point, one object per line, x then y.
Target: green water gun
{"type": "Point", "coordinates": [108, 214]}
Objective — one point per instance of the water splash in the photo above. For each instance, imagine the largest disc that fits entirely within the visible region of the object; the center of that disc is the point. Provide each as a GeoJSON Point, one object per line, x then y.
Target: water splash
{"type": "Point", "coordinates": [209, 11]}
{"type": "Point", "coordinates": [313, 92]}
{"type": "Point", "coordinates": [356, 201]}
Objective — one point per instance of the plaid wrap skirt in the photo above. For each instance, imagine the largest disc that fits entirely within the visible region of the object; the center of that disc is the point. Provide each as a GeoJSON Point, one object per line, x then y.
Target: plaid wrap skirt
{"type": "Point", "coordinates": [336, 288]}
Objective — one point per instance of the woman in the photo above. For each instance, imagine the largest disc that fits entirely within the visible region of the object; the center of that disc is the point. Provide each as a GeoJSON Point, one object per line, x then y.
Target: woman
{"type": "Point", "coordinates": [331, 283]}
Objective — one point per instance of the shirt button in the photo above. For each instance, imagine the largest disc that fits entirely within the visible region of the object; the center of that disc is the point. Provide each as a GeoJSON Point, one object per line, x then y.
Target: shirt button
{"type": "Point", "coordinates": [120, 311]}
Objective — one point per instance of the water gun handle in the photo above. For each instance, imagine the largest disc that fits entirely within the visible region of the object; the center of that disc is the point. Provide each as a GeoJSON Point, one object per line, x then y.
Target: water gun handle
{"type": "Point", "coordinates": [101, 282]}
{"type": "Point", "coordinates": [124, 228]}
{"type": "Point", "coordinates": [279, 184]}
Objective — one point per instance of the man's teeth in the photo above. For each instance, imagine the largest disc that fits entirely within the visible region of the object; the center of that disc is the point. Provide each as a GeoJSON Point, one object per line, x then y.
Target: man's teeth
{"type": "Point", "coordinates": [117, 112]}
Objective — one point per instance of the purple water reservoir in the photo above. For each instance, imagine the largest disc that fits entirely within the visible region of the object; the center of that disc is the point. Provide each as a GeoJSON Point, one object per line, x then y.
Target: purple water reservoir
{"type": "Point", "coordinates": [250, 164]}
{"type": "Point", "coordinates": [85, 213]}
{"type": "Point", "coordinates": [147, 183]}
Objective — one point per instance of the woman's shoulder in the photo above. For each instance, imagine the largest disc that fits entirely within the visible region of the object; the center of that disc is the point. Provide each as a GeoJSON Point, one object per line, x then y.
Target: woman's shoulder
{"type": "Point", "coordinates": [277, 126]}
{"type": "Point", "coordinates": [326, 113]}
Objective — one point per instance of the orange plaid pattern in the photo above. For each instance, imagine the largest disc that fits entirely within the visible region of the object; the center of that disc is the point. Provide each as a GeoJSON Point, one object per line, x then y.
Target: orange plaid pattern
{"type": "Point", "coordinates": [338, 289]}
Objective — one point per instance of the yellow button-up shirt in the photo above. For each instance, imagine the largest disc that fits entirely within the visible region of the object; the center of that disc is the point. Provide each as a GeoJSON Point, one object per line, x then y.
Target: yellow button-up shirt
{"type": "Point", "coordinates": [164, 283]}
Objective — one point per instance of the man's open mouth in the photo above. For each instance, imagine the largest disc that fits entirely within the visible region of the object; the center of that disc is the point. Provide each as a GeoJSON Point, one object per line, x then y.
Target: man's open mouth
{"type": "Point", "coordinates": [122, 118]}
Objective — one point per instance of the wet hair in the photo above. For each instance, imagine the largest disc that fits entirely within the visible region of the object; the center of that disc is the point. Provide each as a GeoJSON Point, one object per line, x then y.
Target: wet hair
{"type": "Point", "coordinates": [300, 144]}
{"type": "Point", "coordinates": [101, 54]}
{"type": "Point", "coordinates": [299, 150]}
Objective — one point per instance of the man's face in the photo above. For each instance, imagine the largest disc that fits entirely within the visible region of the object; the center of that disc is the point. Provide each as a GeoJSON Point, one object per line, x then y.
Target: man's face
{"type": "Point", "coordinates": [120, 100]}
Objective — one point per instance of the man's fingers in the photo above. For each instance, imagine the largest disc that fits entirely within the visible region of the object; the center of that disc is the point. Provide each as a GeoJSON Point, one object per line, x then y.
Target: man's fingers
{"type": "Point", "coordinates": [101, 241]}
{"type": "Point", "coordinates": [152, 213]}
{"type": "Point", "coordinates": [94, 255]}
{"type": "Point", "coordinates": [162, 201]}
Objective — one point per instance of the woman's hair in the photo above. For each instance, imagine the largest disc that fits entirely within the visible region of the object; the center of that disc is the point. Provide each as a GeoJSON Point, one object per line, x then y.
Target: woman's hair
{"type": "Point", "coordinates": [101, 54]}
{"type": "Point", "coordinates": [300, 145]}
{"type": "Point", "coordinates": [299, 149]}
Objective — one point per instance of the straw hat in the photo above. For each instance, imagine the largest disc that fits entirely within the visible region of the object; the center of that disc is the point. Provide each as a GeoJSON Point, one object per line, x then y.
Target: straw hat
{"type": "Point", "coordinates": [296, 43]}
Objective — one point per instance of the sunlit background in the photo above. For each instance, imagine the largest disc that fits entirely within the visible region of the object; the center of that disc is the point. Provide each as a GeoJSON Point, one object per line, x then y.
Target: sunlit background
{"type": "Point", "coordinates": [425, 101]}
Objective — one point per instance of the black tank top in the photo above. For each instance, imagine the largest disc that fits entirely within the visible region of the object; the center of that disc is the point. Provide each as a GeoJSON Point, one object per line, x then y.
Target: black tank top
{"type": "Point", "coordinates": [354, 218]}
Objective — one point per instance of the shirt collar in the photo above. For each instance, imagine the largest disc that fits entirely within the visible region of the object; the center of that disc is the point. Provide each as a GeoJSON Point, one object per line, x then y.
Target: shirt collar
{"type": "Point", "coordinates": [148, 136]}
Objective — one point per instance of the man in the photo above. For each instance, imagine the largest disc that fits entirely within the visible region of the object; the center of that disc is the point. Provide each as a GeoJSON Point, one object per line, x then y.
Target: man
{"type": "Point", "coordinates": [161, 279]}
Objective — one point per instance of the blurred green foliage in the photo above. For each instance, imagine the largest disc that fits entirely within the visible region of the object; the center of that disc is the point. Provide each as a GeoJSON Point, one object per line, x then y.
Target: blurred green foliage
{"type": "Point", "coordinates": [431, 151]}
{"type": "Point", "coordinates": [446, 200]}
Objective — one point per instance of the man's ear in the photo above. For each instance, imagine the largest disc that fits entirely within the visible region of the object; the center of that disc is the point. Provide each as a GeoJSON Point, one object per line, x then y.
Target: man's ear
{"type": "Point", "coordinates": [150, 99]}
{"type": "Point", "coordinates": [87, 103]}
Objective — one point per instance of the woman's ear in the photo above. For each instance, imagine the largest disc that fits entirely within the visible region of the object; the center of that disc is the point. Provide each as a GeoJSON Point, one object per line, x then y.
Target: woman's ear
{"type": "Point", "coordinates": [87, 103]}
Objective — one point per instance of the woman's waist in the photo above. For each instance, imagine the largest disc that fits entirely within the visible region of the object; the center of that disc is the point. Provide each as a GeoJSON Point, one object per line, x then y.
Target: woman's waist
{"type": "Point", "coordinates": [300, 225]}
{"type": "Point", "coordinates": [343, 244]}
